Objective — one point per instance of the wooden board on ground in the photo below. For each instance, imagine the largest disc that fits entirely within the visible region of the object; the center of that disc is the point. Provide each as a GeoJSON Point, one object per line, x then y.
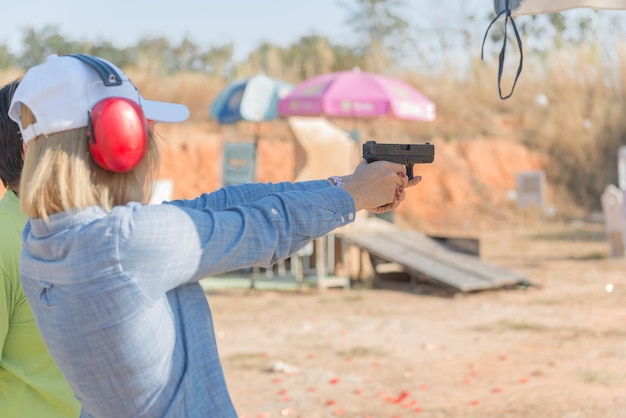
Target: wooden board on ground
{"type": "Point", "coordinates": [424, 257]}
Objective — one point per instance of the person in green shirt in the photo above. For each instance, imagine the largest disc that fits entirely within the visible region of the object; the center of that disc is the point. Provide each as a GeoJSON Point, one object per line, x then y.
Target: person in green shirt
{"type": "Point", "coordinates": [31, 385]}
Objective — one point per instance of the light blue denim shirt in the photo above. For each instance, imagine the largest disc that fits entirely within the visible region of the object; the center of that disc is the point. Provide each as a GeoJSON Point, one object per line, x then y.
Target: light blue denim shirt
{"type": "Point", "coordinates": [116, 297]}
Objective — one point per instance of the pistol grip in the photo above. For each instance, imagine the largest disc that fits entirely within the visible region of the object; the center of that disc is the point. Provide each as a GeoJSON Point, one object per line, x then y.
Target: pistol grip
{"type": "Point", "coordinates": [409, 170]}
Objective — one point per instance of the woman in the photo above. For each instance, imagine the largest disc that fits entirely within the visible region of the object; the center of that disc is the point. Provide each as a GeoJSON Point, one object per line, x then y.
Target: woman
{"type": "Point", "coordinates": [113, 283]}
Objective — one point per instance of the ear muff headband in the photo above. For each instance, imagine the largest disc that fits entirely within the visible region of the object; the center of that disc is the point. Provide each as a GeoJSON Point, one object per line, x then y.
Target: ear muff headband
{"type": "Point", "coordinates": [117, 127]}
{"type": "Point", "coordinates": [107, 74]}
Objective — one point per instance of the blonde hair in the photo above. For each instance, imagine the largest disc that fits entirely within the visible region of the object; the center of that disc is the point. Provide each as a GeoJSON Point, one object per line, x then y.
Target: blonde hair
{"type": "Point", "coordinates": [59, 175]}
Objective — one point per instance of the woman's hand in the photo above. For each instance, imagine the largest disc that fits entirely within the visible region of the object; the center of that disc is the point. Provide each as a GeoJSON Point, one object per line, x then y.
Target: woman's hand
{"type": "Point", "coordinates": [378, 186]}
{"type": "Point", "coordinates": [400, 196]}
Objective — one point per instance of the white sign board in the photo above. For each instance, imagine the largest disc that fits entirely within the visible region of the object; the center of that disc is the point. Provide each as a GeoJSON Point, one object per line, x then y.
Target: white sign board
{"type": "Point", "coordinates": [531, 189]}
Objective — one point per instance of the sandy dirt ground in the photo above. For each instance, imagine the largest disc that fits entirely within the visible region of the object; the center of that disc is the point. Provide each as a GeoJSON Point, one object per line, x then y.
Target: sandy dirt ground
{"type": "Point", "coordinates": [554, 349]}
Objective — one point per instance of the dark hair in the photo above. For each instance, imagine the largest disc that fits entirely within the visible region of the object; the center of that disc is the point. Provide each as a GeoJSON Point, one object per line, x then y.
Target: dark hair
{"type": "Point", "coordinates": [11, 149]}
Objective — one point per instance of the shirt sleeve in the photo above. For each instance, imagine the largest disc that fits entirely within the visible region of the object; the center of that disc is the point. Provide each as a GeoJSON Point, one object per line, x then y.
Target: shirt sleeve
{"type": "Point", "coordinates": [164, 246]}
{"type": "Point", "coordinates": [230, 196]}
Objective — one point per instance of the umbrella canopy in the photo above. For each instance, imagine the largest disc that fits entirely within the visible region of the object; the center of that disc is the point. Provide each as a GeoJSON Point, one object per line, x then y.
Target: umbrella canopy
{"type": "Point", "coordinates": [528, 7]}
{"type": "Point", "coordinates": [508, 8]}
{"type": "Point", "coordinates": [356, 94]}
{"type": "Point", "coordinates": [252, 99]}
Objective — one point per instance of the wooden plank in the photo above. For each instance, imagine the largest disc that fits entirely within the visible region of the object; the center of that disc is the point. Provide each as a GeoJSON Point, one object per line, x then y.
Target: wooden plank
{"type": "Point", "coordinates": [498, 275]}
{"type": "Point", "coordinates": [419, 254]}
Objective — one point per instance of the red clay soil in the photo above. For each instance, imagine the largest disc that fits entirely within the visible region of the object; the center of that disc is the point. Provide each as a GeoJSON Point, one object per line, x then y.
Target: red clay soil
{"type": "Point", "coordinates": [465, 188]}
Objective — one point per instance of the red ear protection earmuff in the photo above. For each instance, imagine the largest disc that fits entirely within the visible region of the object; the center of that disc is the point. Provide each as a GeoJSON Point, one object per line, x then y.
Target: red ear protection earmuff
{"type": "Point", "coordinates": [118, 130]}
{"type": "Point", "coordinates": [118, 134]}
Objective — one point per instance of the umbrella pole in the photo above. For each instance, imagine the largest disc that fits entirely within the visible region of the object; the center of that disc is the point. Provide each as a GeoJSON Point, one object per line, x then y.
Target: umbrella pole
{"type": "Point", "coordinates": [257, 132]}
{"type": "Point", "coordinates": [355, 134]}
{"type": "Point", "coordinates": [256, 136]}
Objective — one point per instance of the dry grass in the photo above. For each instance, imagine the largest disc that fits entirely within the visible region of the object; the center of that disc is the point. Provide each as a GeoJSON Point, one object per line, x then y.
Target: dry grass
{"type": "Point", "coordinates": [579, 129]}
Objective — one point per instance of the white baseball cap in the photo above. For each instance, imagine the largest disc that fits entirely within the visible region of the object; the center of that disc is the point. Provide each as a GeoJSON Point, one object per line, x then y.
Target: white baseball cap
{"type": "Point", "coordinates": [61, 91]}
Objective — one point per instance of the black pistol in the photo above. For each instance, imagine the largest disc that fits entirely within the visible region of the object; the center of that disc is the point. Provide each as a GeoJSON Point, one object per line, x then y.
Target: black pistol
{"type": "Point", "coordinates": [407, 154]}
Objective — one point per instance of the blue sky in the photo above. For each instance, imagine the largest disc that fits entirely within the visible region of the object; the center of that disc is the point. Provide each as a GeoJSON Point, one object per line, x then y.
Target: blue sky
{"type": "Point", "coordinates": [246, 23]}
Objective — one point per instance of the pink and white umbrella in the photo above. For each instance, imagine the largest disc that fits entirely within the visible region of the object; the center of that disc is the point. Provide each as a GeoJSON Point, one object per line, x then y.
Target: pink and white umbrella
{"type": "Point", "coordinates": [533, 7]}
{"type": "Point", "coordinates": [357, 94]}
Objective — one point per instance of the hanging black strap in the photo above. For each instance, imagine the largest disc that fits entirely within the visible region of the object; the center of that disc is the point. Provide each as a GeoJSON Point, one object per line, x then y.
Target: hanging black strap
{"type": "Point", "coordinates": [506, 11]}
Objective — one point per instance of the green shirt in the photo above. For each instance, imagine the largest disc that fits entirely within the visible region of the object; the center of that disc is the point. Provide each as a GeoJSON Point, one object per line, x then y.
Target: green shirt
{"type": "Point", "coordinates": [31, 385]}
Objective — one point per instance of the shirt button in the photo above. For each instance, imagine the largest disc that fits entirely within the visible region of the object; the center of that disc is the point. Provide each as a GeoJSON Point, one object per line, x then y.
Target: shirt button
{"type": "Point", "coordinates": [274, 212]}
{"type": "Point", "coordinates": [351, 216]}
{"type": "Point", "coordinates": [343, 220]}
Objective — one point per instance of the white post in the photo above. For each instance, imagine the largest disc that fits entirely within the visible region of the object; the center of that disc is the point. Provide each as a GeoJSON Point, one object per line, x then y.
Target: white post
{"type": "Point", "coordinates": [621, 167]}
{"type": "Point", "coordinates": [612, 207]}
{"type": "Point", "coordinates": [621, 177]}
{"type": "Point", "coordinates": [320, 262]}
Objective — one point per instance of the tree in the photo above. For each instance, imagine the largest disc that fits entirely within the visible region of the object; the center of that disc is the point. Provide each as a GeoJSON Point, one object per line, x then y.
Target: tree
{"type": "Point", "coordinates": [41, 43]}
{"type": "Point", "coordinates": [382, 30]}
{"type": "Point", "coordinates": [217, 60]}
{"type": "Point", "coordinates": [7, 59]}
{"type": "Point", "coordinates": [311, 55]}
